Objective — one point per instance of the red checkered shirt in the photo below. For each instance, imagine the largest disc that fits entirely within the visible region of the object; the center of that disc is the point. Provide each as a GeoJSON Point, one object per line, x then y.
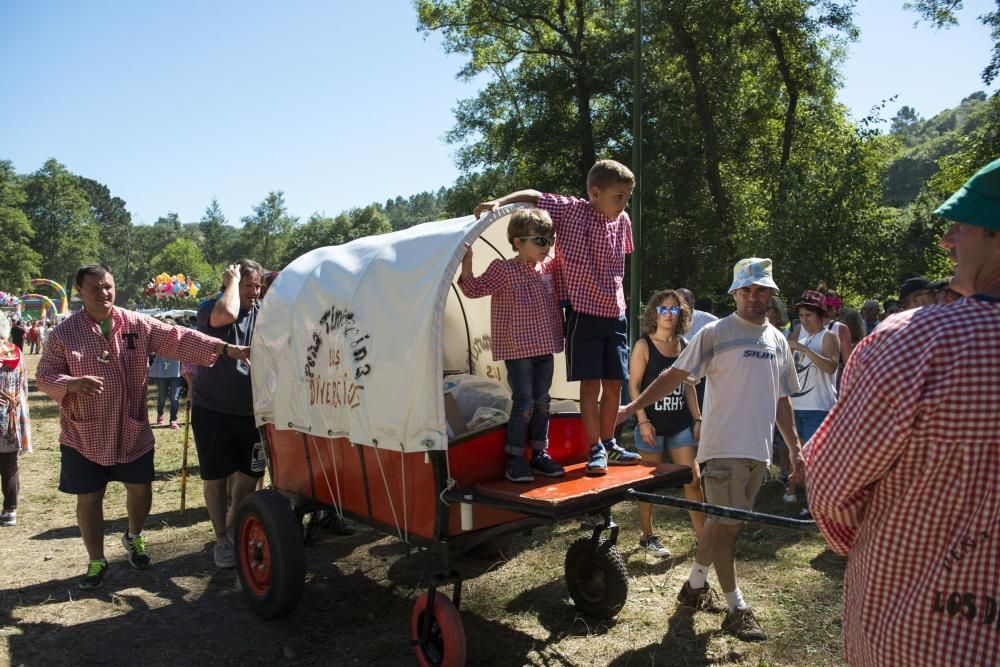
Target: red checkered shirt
{"type": "Point", "coordinates": [590, 255]}
{"type": "Point", "coordinates": [524, 316]}
{"type": "Point", "coordinates": [904, 478]}
{"type": "Point", "coordinates": [112, 427]}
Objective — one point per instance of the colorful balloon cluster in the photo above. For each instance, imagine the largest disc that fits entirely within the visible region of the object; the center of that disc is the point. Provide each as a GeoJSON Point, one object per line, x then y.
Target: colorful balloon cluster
{"type": "Point", "coordinates": [7, 299]}
{"type": "Point", "coordinates": [166, 286]}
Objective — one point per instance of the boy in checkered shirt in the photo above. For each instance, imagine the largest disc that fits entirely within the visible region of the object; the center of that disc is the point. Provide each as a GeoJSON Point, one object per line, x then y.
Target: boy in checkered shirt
{"type": "Point", "coordinates": [594, 237]}
{"type": "Point", "coordinates": [526, 330]}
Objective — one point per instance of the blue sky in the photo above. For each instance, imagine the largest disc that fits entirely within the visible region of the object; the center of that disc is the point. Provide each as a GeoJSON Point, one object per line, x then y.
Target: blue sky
{"type": "Point", "coordinates": [338, 104]}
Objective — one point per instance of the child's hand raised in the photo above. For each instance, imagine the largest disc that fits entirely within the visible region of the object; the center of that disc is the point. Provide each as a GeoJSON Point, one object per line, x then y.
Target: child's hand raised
{"type": "Point", "coordinates": [467, 262]}
{"type": "Point", "coordinates": [486, 207]}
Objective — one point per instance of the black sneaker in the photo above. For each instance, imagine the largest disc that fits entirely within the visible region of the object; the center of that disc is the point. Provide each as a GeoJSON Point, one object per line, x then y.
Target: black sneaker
{"type": "Point", "coordinates": [518, 470]}
{"type": "Point", "coordinates": [743, 624]}
{"type": "Point", "coordinates": [95, 575]}
{"type": "Point", "coordinates": [651, 544]}
{"type": "Point", "coordinates": [619, 456]}
{"type": "Point", "coordinates": [701, 599]}
{"type": "Point", "coordinates": [136, 548]}
{"type": "Point", "coordinates": [544, 465]}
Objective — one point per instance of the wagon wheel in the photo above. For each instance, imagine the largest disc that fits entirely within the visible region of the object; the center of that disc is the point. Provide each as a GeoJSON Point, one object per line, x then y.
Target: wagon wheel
{"type": "Point", "coordinates": [445, 645]}
{"type": "Point", "coordinates": [596, 577]}
{"type": "Point", "coordinates": [271, 559]}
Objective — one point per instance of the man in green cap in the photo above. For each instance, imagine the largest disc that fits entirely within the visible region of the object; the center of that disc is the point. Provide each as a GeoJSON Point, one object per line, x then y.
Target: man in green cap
{"type": "Point", "coordinates": [904, 475]}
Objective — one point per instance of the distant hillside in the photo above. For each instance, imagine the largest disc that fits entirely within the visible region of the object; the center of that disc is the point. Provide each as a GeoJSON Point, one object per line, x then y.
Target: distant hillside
{"type": "Point", "coordinates": [923, 142]}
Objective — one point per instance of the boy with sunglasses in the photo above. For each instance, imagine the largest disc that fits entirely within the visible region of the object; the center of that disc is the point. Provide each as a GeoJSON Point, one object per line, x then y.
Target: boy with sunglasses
{"type": "Point", "coordinates": [595, 234]}
{"type": "Point", "coordinates": [526, 330]}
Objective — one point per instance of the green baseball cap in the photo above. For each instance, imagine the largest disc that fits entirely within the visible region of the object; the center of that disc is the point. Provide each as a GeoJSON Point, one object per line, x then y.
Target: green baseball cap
{"type": "Point", "coordinates": [978, 201]}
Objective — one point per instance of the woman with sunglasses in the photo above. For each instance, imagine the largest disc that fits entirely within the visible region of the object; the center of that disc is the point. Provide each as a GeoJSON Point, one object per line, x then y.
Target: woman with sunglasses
{"type": "Point", "coordinates": [672, 424]}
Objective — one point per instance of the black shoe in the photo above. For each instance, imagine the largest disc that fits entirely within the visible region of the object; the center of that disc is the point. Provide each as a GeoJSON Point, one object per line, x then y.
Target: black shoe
{"type": "Point", "coordinates": [544, 465]}
{"type": "Point", "coordinates": [136, 548]}
{"type": "Point", "coordinates": [743, 624]}
{"type": "Point", "coordinates": [518, 470]}
{"type": "Point", "coordinates": [95, 575]}
{"type": "Point", "coordinates": [701, 599]}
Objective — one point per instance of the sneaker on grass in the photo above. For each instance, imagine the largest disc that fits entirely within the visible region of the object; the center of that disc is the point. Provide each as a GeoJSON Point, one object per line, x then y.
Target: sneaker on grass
{"type": "Point", "coordinates": [743, 624]}
{"type": "Point", "coordinates": [136, 548]}
{"type": "Point", "coordinates": [8, 518]}
{"type": "Point", "coordinates": [701, 599]}
{"type": "Point", "coordinates": [619, 456]}
{"type": "Point", "coordinates": [544, 465]}
{"type": "Point", "coordinates": [225, 556]}
{"type": "Point", "coordinates": [95, 575]}
{"type": "Point", "coordinates": [598, 463]}
{"type": "Point", "coordinates": [651, 544]}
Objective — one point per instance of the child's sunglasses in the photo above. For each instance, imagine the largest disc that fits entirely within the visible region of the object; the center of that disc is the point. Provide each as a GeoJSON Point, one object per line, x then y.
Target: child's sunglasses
{"type": "Point", "coordinates": [540, 241]}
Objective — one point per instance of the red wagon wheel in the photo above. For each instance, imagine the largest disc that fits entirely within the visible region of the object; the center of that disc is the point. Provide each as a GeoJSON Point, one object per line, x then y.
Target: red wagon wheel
{"type": "Point", "coordinates": [270, 557]}
{"type": "Point", "coordinates": [445, 644]}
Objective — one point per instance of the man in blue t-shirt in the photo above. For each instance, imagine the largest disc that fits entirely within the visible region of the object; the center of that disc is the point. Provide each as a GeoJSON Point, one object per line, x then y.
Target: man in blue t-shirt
{"type": "Point", "coordinates": [228, 443]}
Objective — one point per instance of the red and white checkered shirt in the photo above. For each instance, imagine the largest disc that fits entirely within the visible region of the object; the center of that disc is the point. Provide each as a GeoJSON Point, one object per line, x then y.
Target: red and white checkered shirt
{"type": "Point", "coordinates": [524, 316]}
{"type": "Point", "coordinates": [904, 478]}
{"type": "Point", "coordinates": [112, 427]}
{"type": "Point", "coordinates": [590, 255]}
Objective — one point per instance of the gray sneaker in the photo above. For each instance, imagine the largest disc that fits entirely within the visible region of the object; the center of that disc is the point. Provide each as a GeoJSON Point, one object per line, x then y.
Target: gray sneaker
{"type": "Point", "coordinates": [701, 599]}
{"type": "Point", "coordinates": [225, 556]}
{"type": "Point", "coordinates": [743, 624]}
{"type": "Point", "coordinates": [652, 545]}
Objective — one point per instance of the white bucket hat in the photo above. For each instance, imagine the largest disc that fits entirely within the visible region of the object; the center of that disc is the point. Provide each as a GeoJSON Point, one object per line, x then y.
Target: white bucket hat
{"type": "Point", "coordinates": [752, 271]}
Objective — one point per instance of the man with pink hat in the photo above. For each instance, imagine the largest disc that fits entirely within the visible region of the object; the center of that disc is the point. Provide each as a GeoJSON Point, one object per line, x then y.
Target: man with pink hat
{"type": "Point", "coordinates": [904, 475]}
{"type": "Point", "coordinates": [750, 377]}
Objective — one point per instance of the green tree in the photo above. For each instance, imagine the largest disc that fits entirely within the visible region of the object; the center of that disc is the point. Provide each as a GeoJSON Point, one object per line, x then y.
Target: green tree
{"type": "Point", "coordinates": [183, 256]}
{"type": "Point", "coordinates": [66, 234]}
{"type": "Point", "coordinates": [218, 238]}
{"type": "Point", "coordinates": [20, 263]}
{"type": "Point", "coordinates": [266, 230]}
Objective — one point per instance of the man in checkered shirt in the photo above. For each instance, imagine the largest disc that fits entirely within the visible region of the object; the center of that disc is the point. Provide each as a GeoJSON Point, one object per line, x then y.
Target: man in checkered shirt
{"type": "Point", "coordinates": [904, 475]}
{"type": "Point", "coordinates": [592, 238]}
{"type": "Point", "coordinates": [95, 366]}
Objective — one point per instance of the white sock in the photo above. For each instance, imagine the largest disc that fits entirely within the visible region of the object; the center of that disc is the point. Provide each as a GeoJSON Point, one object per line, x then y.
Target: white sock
{"type": "Point", "coordinates": [699, 575]}
{"type": "Point", "coordinates": [735, 600]}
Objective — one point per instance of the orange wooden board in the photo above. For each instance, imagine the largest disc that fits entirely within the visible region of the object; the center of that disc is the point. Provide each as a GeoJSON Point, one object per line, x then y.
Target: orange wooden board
{"type": "Point", "coordinates": [549, 491]}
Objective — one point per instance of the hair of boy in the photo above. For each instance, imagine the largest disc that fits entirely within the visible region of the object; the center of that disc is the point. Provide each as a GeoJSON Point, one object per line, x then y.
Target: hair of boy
{"type": "Point", "coordinates": [96, 270]}
{"type": "Point", "coordinates": [529, 222]}
{"type": "Point", "coordinates": [248, 266]}
{"type": "Point", "coordinates": [606, 173]}
{"type": "Point", "coordinates": [650, 316]}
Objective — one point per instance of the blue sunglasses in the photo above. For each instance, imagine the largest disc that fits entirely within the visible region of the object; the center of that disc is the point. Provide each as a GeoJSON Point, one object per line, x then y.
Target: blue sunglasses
{"type": "Point", "coordinates": [673, 310]}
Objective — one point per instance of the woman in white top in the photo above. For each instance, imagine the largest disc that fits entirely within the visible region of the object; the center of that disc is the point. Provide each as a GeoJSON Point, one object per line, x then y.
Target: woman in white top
{"type": "Point", "coordinates": [816, 351]}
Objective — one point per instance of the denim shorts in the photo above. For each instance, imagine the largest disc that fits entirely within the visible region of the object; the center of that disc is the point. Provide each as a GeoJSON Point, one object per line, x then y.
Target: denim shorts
{"type": "Point", "coordinates": [664, 442]}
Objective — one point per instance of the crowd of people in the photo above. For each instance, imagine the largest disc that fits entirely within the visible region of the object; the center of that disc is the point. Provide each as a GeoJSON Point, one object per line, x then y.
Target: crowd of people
{"type": "Point", "coordinates": [886, 415]}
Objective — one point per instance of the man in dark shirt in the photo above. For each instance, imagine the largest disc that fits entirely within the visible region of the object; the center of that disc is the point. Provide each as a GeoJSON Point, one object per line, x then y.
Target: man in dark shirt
{"type": "Point", "coordinates": [229, 448]}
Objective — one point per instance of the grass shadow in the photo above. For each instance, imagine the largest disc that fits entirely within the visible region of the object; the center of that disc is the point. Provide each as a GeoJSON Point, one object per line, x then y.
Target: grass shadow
{"type": "Point", "coordinates": [191, 517]}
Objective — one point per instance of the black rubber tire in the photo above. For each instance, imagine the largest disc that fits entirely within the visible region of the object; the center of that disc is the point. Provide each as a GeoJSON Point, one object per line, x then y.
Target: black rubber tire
{"type": "Point", "coordinates": [446, 645]}
{"type": "Point", "coordinates": [596, 577]}
{"type": "Point", "coordinates": [270, 556]}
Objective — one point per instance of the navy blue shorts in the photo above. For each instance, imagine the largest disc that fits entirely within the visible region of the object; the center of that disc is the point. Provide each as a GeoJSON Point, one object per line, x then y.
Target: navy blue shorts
{"type": "Point", "coordinates": [596, 347]}
{"type": "Point", "coordinates": [79, 475]}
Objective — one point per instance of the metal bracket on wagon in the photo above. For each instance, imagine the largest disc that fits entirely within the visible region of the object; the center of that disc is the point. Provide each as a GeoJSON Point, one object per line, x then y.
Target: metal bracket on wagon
{"type": "Point", "coordinates": [717, 510]}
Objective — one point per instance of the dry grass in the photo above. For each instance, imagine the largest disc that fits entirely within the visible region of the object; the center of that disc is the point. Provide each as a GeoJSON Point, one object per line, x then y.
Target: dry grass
{"type": "Point", "coordinates": [360, 589]}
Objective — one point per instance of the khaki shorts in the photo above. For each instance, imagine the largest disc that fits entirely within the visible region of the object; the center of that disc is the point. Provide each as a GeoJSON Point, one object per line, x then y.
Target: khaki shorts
{"type": "Point", "coordinates": [732, 483]}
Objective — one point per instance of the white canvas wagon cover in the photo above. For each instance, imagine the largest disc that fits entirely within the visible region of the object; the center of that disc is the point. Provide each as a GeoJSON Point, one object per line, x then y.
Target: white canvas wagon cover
{"type": "Point", "coordinates": [353, 340]}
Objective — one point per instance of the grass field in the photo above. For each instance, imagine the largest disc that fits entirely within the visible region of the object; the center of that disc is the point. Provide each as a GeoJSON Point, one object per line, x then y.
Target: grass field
{"type": "Point", "coordinates": [360, 590]}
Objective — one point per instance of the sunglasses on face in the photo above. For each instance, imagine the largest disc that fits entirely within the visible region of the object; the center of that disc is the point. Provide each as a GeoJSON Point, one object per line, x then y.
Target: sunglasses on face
{"type": "Point", "coordinates": [673, 310]}
{"type": "Point", "coordinates": [540, 241]}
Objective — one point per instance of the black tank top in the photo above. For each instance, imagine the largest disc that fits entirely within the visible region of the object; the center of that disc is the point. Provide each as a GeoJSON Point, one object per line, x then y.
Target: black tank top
{"type": "Point", "coordinates": [670, 414]}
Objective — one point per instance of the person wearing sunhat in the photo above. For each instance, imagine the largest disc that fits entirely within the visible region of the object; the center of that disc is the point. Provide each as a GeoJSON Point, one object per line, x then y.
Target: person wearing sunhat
{"type": "Point", "coordinates": [750, 378]}
{"type": "Point", "coordinates": [916, 292]}
{"type": "Point", "coordinates": [904, 475]}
